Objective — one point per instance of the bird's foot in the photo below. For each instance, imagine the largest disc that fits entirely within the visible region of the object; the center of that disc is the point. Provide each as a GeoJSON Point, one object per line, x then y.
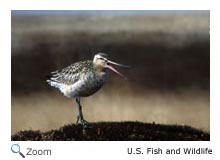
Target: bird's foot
{"type": "Point", "coordinates": [82, 121]}
{"type": "Point", "coordinates": [85, 124]}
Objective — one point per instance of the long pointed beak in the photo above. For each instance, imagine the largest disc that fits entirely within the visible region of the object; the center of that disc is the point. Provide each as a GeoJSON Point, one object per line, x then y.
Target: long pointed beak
{"type": "Point", "coordinates": [117, 64]}
{"type": "Point", "coordinates": [114, 70]}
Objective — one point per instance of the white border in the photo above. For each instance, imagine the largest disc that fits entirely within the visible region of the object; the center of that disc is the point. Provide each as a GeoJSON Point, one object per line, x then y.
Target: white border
{"type": "Point", "coordinates": [104, 150]}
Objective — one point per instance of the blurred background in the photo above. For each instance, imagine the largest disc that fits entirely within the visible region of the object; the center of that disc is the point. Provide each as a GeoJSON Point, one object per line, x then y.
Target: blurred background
{"type": "Point", "coordinates": [168, 83]}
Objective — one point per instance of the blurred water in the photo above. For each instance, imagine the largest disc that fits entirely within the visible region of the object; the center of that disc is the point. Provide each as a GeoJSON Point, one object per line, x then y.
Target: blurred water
{"type": "Point", "coordinates": [50, 110]}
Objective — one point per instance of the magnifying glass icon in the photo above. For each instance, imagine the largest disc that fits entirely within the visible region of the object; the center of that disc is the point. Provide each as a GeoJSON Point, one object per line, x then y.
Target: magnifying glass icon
{"type": "Point", "coordinates": [15, 148]}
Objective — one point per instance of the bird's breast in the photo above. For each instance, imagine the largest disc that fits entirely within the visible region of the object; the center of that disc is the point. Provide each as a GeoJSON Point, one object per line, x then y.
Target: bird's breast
{"type": "Point", "coordinates": [90, 83]}
{"type": "Point", "coordinates": [96, 80]}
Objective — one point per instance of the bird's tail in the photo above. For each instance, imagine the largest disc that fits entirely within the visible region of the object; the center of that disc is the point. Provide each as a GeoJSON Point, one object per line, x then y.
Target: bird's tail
{"type": "Point", "coordinates": [54, 84]}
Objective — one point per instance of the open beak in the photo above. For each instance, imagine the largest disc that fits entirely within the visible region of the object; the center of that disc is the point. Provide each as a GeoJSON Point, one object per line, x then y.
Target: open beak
{"type": "Point", "coordinates": [109, 66]}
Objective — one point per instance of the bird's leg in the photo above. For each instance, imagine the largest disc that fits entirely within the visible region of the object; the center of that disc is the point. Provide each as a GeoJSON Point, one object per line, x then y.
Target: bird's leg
{"type": "Point", "coordinates": [80, 118]}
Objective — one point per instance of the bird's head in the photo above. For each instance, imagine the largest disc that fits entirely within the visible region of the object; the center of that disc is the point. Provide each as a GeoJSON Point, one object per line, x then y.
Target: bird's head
{"type": "Point", "coordinates": [102, 62]}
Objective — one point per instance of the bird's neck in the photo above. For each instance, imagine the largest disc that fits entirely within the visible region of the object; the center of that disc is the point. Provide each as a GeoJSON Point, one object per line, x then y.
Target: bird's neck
{"type": "Point", "coordinates": [98, 68]}
{"type": "Point", "coordinates": [100, 71]}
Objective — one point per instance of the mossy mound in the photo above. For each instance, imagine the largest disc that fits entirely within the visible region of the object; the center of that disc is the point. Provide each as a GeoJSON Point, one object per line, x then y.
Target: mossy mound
{"type": "Point", "coordinates": [116, 131]}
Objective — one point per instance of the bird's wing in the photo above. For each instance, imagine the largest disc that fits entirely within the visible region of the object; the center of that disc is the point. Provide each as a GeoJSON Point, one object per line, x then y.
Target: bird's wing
{"type": "Point", "coordinates": [70, 74]}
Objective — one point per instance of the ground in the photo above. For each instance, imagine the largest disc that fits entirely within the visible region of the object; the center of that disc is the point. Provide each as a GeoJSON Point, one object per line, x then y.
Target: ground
{"type": "Point", "coordinates": [116, 131]}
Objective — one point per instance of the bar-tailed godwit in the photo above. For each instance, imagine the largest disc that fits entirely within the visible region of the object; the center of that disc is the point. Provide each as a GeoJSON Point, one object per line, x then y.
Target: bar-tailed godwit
{"type": "Point", "coordinates": [84, 78]}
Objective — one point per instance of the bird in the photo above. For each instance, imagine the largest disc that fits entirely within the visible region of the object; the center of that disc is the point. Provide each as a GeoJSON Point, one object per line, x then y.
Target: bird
{"type": "Point", "coordinates": [83, 78]}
